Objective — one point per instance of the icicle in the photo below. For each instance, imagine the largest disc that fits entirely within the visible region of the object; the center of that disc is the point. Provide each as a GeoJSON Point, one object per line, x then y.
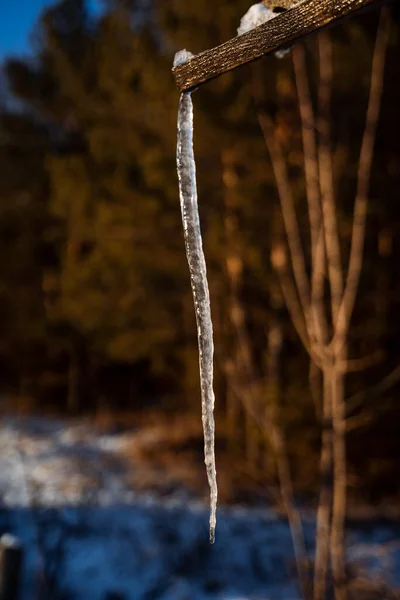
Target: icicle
{"type": "Point", "coordinates": [198, 277]}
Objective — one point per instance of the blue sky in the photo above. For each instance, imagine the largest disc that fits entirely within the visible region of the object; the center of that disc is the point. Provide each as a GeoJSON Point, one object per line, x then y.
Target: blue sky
{"type": "Point", "coordinates": [17, 19]}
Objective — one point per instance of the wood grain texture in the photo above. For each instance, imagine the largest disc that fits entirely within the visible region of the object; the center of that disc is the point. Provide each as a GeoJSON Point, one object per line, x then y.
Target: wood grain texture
{"type": "Point", "coordinates": [272, 4]}
{"type": "Point", "coordinates": [288, 27]}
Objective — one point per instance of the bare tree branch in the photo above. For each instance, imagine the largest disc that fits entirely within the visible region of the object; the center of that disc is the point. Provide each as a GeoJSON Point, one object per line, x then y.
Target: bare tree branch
{"type": "Point", "coordinates": [354, 365]}
{"type": "Point", "coordinates": [364, 176]}
{"type": "Point", "coordinates": [326, 173]}
{"type": "Point", "coordinates": [380, 388]}
{"type": "Point", "coordinates": [317, 290]}
{"type": "Point", "coordinates": [309, 145]}
{"type": "Point", "coordinates": [308, 129]}
{"type": "Point", "coordinates": [279, 262]}
{"type": "Point", "coordinates": [288, 211]}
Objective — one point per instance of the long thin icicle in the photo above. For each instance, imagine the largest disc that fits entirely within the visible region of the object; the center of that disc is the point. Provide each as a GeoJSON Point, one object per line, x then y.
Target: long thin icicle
{"type": "Point", "coordinates": [201, 295]}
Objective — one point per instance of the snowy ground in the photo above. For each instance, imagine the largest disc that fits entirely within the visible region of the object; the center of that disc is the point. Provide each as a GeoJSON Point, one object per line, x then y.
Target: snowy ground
{"type": "Point", "coordinates": [66, 492]}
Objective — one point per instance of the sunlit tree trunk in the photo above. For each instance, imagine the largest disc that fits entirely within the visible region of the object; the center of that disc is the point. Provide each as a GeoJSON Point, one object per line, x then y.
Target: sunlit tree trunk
{"type": "Point", "coordinates": [340, 484]}
{"type": "Point", "coordinates": [275, 431]}
{"type": "Point", "coordinates": [339, 343]}
{"type": "Point", "coordinates": [324, 512]}
{"type": "Point", "coordinates": [324, 330]}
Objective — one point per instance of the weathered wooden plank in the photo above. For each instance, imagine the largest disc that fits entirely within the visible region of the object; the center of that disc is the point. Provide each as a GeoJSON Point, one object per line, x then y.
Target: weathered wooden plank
{"type": "Point", "coordinates": [288, 27]}
{"type": "Point", "coordinates": [276, 4]}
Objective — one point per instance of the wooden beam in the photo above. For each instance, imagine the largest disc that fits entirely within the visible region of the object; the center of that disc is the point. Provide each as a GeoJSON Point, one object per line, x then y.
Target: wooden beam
{"type": "Point", "coordinates": [276, 4]}
{"type": "Point", "coordinates": [288, 27]}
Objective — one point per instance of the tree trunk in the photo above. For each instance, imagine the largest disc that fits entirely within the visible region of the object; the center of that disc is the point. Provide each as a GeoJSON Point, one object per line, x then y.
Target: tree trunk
{"type": "Point", "coordinates": [340, 486]}
{"type": "Point", "coordinates": [272, 424]}
{"type": "Point", "coordinates": [325, 498]}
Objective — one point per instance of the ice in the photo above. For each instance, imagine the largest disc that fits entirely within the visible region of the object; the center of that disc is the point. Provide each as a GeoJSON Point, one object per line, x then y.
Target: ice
{"type": "Point", "coordinates": [198, 277]}
{"type": "Point", "coordinates": [181, 57]}
{"type": "Point", "coordinates": [255, 16]}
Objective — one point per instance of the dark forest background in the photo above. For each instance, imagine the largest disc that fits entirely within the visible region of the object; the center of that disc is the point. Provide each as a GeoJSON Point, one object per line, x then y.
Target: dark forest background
{"type": "Point", "coordinates": [96, 312]}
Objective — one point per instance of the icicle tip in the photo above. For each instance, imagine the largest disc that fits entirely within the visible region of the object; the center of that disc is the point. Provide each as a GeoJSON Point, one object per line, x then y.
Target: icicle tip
{"type": "Point", "coordinates": [212, 535]}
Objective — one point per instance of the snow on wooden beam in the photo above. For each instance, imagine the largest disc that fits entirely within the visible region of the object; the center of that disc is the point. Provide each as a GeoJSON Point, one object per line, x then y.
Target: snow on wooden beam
{"type": "Point", "coordinates": [286, 28]}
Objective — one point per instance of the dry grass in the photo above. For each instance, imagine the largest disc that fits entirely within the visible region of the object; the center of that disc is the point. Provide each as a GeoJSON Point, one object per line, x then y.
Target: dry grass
{"type": "Point", "coordinates": [167, 451]}
{"type": "Point", "coordinates": [369, 590]}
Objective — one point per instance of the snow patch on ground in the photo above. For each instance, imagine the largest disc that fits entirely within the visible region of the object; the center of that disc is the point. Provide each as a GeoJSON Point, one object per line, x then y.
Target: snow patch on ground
{"type": "Point", "coordinates": [65, 492]}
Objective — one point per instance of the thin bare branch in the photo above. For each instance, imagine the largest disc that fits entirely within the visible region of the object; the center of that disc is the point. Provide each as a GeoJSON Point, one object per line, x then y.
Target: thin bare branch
{"type": "Point", "coordinates": [286, 486]}
{"type": "Point", "coordinates": [326, 173]}
{"type": "Point", "coordinates": [364, 176]}
{"type": "Point", "coordinates": [309, 145]}
{"type": "Point", "coordinates": [293, 305]}
{"type": "Point", "coordinates": [364, 419]}
{"type": "Point", "coordinates": [375, 391]}
{"type": "Point", "coordinates": [297, 292]}
{"type": "Point", "coordinates": [288, 210]}
{"type": "Point", "coordinates": [355, 365]}
{"type": "Point", "coordinates": [308, 128]}
{"type": "Point", "coordinates": [317, 291]}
